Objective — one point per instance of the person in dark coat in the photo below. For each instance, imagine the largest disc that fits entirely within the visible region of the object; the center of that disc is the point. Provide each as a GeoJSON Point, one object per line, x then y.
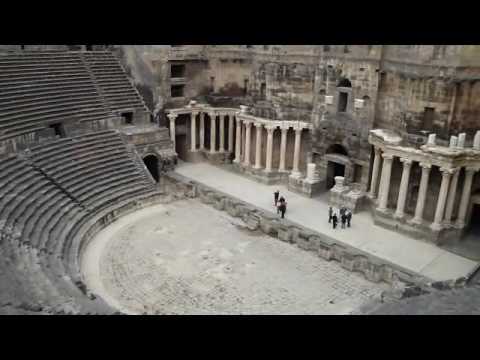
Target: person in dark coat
{"type": "Point", "coordinates": [330, 214]}
{"type": "Point", "coordinates": [343, 218]}
{"type": "Point", "coordinates": [334, 220]}
{"type": "Point", "coordinates": [283, 207]}
{"type": "Point", "coordinates": [276, 194]}
{"type": "Point", "coordinates": [282, 200]}
{"type": "Point", "coordinates": [342, 211]}
{"type": "Point", "coordinates": [349, 217]}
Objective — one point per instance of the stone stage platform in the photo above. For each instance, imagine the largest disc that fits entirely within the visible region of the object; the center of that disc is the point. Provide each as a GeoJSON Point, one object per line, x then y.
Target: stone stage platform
{"type": "Point", "coordinates": [420, 257]}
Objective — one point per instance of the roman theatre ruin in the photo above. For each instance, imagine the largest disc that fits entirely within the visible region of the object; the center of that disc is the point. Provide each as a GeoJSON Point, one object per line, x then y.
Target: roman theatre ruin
{"type": "Point", "coordinates": [140, 179]}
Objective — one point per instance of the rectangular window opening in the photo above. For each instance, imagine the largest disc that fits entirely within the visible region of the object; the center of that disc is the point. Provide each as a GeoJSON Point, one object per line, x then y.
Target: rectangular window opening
{"type": "Point", "coordinates": [58, 129]}
{"type": "Point", "coordinates": [177, 70]}
{"type": "Point", "coordinates": [128, 118]}
{"type": "Point", "coordinates": [342, 101]}
{"type": "Point", "coordinates": [428, 117]}
{"type": "Point", "coordinates": [177, 91]}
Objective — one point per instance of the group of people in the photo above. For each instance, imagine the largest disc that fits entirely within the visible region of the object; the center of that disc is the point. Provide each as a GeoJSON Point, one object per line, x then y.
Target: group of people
{"type": "Point", "coordinates": [345, 217]}
{"type": "Point", "coordinates": [280, 203]}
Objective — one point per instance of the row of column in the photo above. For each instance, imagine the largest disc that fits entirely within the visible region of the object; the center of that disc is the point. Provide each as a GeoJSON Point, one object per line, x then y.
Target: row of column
{"type": "Point", "coordinates": [269, 150]}
{"type": "Point", "coordinates": [446, 196]}
{"type": "Point", "coordinates": [213, 131]}
{"type": "Point", "coordinates": [238, 141]}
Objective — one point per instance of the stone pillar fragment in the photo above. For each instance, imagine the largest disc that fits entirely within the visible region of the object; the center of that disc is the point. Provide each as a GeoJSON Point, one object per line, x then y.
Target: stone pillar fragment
{"type": "Point", "coordinates": [283, 149]}
{"type": "Point", "coordinates": [230, 133]}
{"type": "Point", "coordinates": [296, 154]}
{"type": "Point", "coordinates": [461, 140]}
{"type": "Point", "coordinates": [248, 126]}
{"type": "Point", "coordinates": [213, 133]}
{"type": "Point", "coordinates": [202, 131]}
{"type": "Point", "coordinates": [193, 131]}
{"type": "Point", "coordinates": [376, 169]}
{"type": "Point", "coordinates": [452, 192]}
{"type": "Point", "coordinates": [258, 146]}
{"type": "Point", "coordinates": [238, 142]}
{"type": "Point", "coordinates": [476, 141]}
{"type": "Point", "coordinates": [270, 131]}
{"type": "Point", "coordinates": [453, 141]}
{"type": "Point", "coordinates": [465, 199]}
{"type": "Point", "coordinates": [402, 195]}
{"type": "Point", "coordinates": [222, 132]}
{"type": "Point", "coordinates": [385, 182]}
{"type": "Point", "coordinates": [422, 193]}
{"type": "Point", "coordinates": [172, 118]}
{"type": "Point", "coordinates": [442, 199]}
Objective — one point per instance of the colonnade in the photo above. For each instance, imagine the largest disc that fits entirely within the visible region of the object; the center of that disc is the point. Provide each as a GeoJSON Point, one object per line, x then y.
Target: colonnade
{"type": "Point", "coordinates": [270, 128]}
{"type": "Point", "coordinates": [194, 146]}
{"type": "Point", "coordinates": [446, 196]}
{"type": "Point", "coordinates": [244, 127]}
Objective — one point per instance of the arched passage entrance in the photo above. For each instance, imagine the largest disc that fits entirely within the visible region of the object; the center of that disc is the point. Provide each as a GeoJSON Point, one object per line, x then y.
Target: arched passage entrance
{"type": "Point", "coordinates": [151, 162]}
{"type": "Point", "coordinates": [337, 159]}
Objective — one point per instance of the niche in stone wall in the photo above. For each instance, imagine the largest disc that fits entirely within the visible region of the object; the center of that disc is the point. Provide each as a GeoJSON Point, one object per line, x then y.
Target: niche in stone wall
{"type": "Point", "coordinates": [344, 91]}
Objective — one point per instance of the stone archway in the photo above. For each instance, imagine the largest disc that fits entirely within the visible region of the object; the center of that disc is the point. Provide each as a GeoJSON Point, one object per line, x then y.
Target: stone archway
{"type": "Point", "coordinates": [338, 163]}
{"type": "Point", "coordinates": [151, 162]}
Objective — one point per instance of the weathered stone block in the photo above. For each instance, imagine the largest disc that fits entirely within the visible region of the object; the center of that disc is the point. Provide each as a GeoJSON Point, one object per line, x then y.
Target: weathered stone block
{"type": "Point", "coordinates": [325, 252]}
{"type": "Point", "coordinates": [302, 239]}
{"type": "Point", "coordinates": [348, 261]}
{"type": "Point", "coordinates": [269, 226]}
{"type": "Point", "coordinates": [252, 220]}
{"type": "Point", "coordinates": [284, 234]}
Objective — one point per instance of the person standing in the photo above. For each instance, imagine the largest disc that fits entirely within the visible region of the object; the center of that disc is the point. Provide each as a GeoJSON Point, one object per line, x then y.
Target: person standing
{"type": "Point", "coordinates": [349, 217]}
{"type": "Point", "coordinates": [330, 214]}
{"type": "Point", "coordinates": [334, 220]}
{"type": "Point", "coordinates": [282, 200]}
{"type": "Point", "coordinates": [283, 207]}
{"type": "Point", "coordinates": [343, 218]}
{"type": "Point", "coordinates": [276, 194]}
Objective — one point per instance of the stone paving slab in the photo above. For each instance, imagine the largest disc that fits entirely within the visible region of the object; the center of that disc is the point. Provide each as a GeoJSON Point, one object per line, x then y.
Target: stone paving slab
{"type": "Point", "coordinates": [421, 257]}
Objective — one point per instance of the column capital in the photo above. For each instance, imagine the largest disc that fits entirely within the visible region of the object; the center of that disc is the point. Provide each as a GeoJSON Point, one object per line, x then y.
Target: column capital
{"type": "Point", "coordinates": [172, 117]}
{"type": "Point", "coordinates": [248, 123]}
{"type": "Point", "coordinates": [447, 171]}
{"type": "Point", "coordinates": [258, 125]}
{"type": "Point", "coordinates": [471, 169]}
{"type": "Point", "coordinates": [194, 113]}
{"type": "Point", "coordinates": [425, 165]}
{"type": "Point", "coordinates": [212, 114]}
{"type": "Point", "coordinates": [284, 127]}
{"type": "Point", "coordinates": [387, 156]}
{"type": "Point", "coordinates": [298, 130]}
{"type": "Point", "coordinates": [270, 128]}
{"type": "Point", "coordinates": [406, 161]}
{"type": "Point", "coordinates": [378, 151]}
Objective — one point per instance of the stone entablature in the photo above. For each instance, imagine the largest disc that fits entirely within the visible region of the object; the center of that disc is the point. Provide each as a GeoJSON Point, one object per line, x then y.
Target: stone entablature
{"type": "Point", "coordinates": [450, 160]}
{"type": "Point", "coordinates": [441, 156]}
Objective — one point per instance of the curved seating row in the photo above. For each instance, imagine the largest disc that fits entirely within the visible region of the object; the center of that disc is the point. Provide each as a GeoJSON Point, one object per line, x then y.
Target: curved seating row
{"type": "Point", "coordinates": [47, 193]}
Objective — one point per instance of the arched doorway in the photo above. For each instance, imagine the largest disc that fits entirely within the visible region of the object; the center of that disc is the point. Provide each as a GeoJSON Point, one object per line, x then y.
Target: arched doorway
{"type": "Point", "coordinates": [151, 162]}
{"type": "Point", "coordinates": [337, 159]}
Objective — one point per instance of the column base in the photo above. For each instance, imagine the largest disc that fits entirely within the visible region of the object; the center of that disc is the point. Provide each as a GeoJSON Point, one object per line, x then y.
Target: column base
{"type": "Point", "coordinates": [436, 226]}
{"type": "Point", "coordinates": [398, 216]}
{"type": "Point", "coordinates": [382, 210]}
{"type": "Point", "coordinates": [416, 222]}
{"type": "Point", "coordinates": [459, 225]}
{"type": "Point", "coordinates": [296, 175]}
